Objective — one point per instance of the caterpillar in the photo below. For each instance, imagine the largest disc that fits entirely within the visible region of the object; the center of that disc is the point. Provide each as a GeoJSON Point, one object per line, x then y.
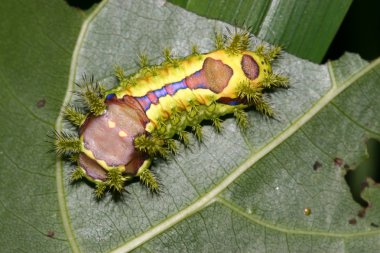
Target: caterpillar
{"type": "Point", "coordinates": [120, 130]}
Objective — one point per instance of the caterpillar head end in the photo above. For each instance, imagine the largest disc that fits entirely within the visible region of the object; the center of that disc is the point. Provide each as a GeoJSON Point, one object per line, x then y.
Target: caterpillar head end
{"type": "Point", "coordinates": [258, 75]}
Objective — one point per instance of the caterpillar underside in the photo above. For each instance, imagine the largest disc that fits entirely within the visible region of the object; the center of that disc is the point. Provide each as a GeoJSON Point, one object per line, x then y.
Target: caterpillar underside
{"type": "Point", "coordinates": [122, 129]}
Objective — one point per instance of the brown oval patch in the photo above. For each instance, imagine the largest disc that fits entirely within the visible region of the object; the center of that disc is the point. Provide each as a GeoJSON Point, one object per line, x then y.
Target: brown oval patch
{"type": "Point", "coordinates": [110, 136]}
{"type": "Point", "coordinates": [250, 67]}
{"type": "Point", "coordinates": [217, 74]}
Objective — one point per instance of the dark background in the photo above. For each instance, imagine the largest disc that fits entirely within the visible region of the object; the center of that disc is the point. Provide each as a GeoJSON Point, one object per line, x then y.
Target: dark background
{"type": "Point", "coordinates": [359, 32]}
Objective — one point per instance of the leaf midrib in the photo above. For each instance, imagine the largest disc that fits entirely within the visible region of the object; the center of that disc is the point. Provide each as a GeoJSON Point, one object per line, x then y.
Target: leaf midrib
{"type": "Point", "coordinates": [211, 197]}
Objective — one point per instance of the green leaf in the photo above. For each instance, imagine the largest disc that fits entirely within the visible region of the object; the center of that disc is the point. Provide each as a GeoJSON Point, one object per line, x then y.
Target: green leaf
{"type": "Point", "coordinates": [235, 191]}
{"type": "Point", "coordinates": [303, 28]}
{"type": "Point", "coordinates": [36, 45]}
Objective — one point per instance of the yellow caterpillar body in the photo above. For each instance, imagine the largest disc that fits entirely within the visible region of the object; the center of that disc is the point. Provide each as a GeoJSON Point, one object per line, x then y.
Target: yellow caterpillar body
{"type": "Point", "coordinates": [128, 125]}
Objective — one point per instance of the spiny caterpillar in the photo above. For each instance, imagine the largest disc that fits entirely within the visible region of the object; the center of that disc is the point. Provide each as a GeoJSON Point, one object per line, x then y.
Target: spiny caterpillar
{"type": "Point", "coordinates": [122, 129]}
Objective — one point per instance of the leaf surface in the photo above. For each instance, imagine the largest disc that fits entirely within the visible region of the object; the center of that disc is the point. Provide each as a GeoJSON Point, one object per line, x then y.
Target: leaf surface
{"type": "Point", "coordinates": [236, 190]}
{"type": "Point", "coordinates": [34, 68]}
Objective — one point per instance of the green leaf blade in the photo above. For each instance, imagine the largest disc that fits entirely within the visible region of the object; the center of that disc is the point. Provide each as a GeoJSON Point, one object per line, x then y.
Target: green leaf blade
{"type": "Point", "coordinates": [263, 209]}
{"type": "Point", "coordinates": [303, 28]}
{"type": "Point", "coordinates": [235, 191]}
{"type": "Point", "coordinates": [34, 66]}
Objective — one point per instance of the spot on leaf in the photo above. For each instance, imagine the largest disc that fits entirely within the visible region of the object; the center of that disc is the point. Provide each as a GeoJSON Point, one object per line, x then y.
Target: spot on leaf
{"type": "Point", "coordinates": [41, 103]}
{"type": "Point", "coordinates": [352, 221]}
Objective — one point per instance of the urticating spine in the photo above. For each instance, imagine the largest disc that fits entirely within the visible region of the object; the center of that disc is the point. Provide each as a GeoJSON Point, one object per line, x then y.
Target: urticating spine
{"type": "Point", "coordinates": [120, 130]}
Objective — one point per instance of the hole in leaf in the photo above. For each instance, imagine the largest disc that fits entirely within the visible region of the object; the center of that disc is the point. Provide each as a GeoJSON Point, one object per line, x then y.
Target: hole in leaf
{"type": "Point", "coordinates": [82, 4]}
{"type": "Point", "coordinates": [317, 165]}
{"type": "Point", "coordinates": [356, 179]}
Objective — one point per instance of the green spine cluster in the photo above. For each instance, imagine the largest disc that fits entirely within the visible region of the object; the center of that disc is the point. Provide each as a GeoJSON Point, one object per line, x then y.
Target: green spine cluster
{"type": "Point", "coordinates": [161, 141]}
